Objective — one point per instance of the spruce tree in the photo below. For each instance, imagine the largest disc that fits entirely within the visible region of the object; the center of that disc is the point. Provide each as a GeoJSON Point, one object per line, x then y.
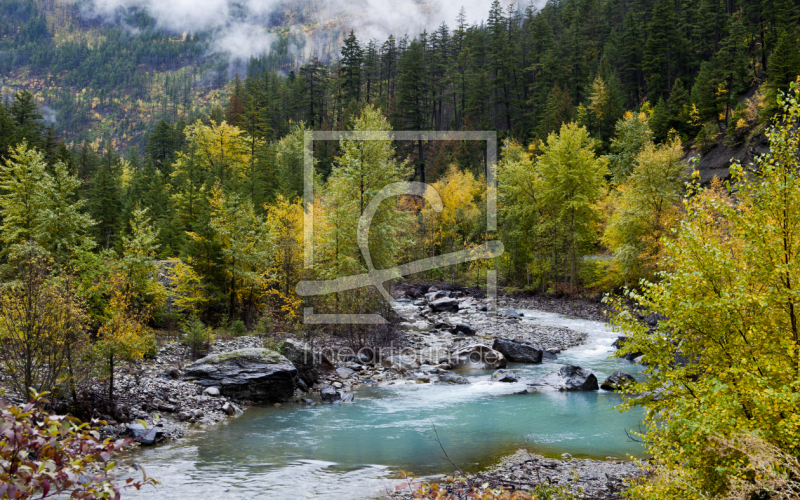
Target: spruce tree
{"type": "Point", "coordinates": [352, 57]}
{"type": "Point", "coordinates": [105, 205]}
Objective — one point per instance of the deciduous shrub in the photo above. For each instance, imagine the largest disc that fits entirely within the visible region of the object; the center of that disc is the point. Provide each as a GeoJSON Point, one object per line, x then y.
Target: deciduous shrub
{"type": "Point", "coordinates": [46, 456]}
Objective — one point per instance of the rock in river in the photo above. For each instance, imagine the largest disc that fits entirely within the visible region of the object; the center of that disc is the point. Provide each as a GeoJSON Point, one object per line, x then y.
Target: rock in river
{"type": "Point", "coordinates": [517, 351]}
{"type": "Point", "coordinates": [257, 374]}
{"type": "Point", "coordinates": [331, 394]}
{"type": "Point", "coordinates": [504, 376]}
{"type": "Point", "coordinates": [568, 378]}
{"type": "Point", "coordinates": [616, 380]}
{"type": "Point", "coordinates": [451, 378]}
{"type": "Point", "coordinates": [478, 356]}
{"type": "Point", "coordinates": [145, 435]}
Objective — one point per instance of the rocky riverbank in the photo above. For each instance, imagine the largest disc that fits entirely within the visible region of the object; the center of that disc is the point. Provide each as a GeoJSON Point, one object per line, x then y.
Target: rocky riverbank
{"type": "Point", "coordinates": [154, 392]}
{"type": "Point", "coordinates": [524, 471]}
{"type": "Point", "coordinates": [444, 330]}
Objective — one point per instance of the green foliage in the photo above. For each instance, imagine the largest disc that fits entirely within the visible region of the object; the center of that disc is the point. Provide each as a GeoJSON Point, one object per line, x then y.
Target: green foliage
{"type": "Point", "coordinates": [572, 182]}
{"type": "Point", "coordinates": [289, 162]}
{"type": "Point", "coordinates": [41, 327]}
{"type": "Point", "coordinates": [39, 207]}
{"type": "Point", "coordinates": [632, 135]}
{"type": "Point", "coordinates": [549, 205]}
{"type": "Point", "coordinates": [648, 210]}
{"type": "Point", "coordinates": [724, 363]}
{"type": "Point", "coordinates": [196, 336]}
{"type": "Point", "coordinates": [238, 329]}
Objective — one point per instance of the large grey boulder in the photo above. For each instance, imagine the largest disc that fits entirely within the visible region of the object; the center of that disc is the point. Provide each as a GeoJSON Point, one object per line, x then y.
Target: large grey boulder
{"type": "Point", "coordinates": [260, 375]}
{"type": "Point", "coordinates": [478, 356]}
{"type": "Point", "coordinates": [617, 380]}
{"type": "Point", "coordinates": [568, 378]}
{"type": "Point", "coordinates": [445, 304]}
{"type": "Point", "coordinates": [518, 351]}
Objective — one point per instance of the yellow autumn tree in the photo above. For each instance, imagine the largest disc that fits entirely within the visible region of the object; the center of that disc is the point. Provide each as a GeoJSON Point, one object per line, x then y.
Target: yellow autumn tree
{"type": "Point", "coordinates": [457, 226]}
{"type": "Point", "coordinates": [220, 148]}
{"type": "Point", "coordinates": [285, 223]}
{"type": "Point", "coordinates": [648, 206]}
{"type": "Point", "coordinates": [723, 366]}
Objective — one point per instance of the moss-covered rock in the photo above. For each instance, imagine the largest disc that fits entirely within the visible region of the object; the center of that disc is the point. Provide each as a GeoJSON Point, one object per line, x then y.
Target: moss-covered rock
{"type": "Point", "coordinates": [260, 375]}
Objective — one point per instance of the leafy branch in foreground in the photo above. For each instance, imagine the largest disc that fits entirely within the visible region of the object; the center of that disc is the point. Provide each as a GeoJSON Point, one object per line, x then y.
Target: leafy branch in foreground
{"type": "Point", "coordinates": [45, 456]}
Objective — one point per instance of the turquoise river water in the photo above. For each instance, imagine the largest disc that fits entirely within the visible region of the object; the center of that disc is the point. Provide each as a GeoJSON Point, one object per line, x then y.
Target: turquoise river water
{"type": "Point", "coordinates": [357, 450]}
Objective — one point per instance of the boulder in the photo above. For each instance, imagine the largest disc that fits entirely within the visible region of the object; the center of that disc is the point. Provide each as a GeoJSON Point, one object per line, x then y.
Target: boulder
{"type": "Point", "coordinates": [550, 355]}
{"type": "Point", "coordinates": [260, 375]}
{"type": "Point", "coordinates": [331, 394]}
{"type": "Point", "coordinates": [463, 329]}
{"type": "Point", "coordinates": [444, 304]}
{"type": "Point", "coordinates": [451, 378]}
{"type": "Point", "coordinates": [478, 356]}
{"type": "Point", "coordinates": [302, 357]}
{"type": "Point", "coordinates": [620, 343]}
{"type": "Point", "coordinates": [230, 409]}
{"type": "Point", "coordinates": [518, 351]}
{"type": "Point", "coordinates": [344, 373]}
{"type": "Point", "coordinates": [653, 319]}
{"type": "Point", "coordinates": [512, 313]}
{"type": "Point", "coordinates": [616, 380]}
{"type": "Point", "coordinates": [568, 378]}
{"type": "Point", "coordinates": [147, 436]}
{"type": "Point", "coordinates": [174, 373]}
{"type": "Point", "coordinates": [212, 391]}
{"type": "Point", "coordinates": [434, 295]}
{"type": "Point", "coordinates": [162, 406]}
{"type": "Point", "coordinates": [504, 376]}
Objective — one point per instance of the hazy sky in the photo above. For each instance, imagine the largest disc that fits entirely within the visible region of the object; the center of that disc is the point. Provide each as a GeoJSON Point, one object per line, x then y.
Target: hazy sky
{"type": "Point", "coordinates": [240, 25]}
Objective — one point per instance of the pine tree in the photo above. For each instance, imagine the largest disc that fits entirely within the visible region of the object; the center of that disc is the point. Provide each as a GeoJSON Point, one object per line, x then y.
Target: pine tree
{"type": "Point", "coordinates": [663, 52]}
{"type": "Point", "coordinates": [704, 93]}
{"type": "Point", "coordinates": [352, 58]}
{"type": "Point", "coordinates": [106, 202]}
{"type": "Point", "coordinates": [413, 96]}
{"type": "Point", "coordinates": [678, 107]}
{"type": "Point", "coordinates": [160, 148]}
{"type": "Point", "coordinates": [784, 63]}
{"type": "Point", "coordinates": [26, 115]}
{"type": "Point", "coordinates": [659, 121]}
{"type": "Point", "coordinates": [558, 111]}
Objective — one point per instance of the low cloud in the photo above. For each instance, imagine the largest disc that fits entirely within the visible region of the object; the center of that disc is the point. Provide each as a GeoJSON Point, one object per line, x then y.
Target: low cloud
{"type": "Point", "coordinates": [239, 28]}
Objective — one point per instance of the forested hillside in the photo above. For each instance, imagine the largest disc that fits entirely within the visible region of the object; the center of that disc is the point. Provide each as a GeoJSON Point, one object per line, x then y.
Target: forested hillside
{"type": "Point", "coordinates": [521, 71]}
{"type": "Point", "coordinates": [151, 185]}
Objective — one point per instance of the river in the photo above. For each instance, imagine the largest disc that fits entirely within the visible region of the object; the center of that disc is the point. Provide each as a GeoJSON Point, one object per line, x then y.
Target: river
{"type": "Point", "coordinates": [355, 451]}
